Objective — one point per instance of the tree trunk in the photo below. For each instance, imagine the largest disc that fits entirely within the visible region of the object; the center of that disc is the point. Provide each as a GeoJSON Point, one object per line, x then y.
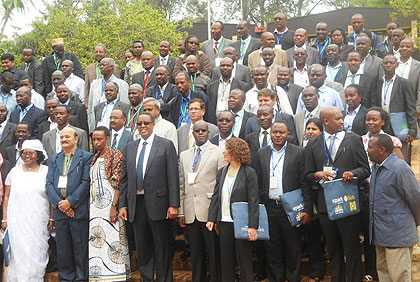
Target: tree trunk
{"type": "Point", "coordinates": [3, 27]}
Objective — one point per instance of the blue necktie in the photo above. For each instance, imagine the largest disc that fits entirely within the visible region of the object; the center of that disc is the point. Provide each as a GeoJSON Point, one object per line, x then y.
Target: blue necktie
{"type": "Point", "coordinates": [140, 168]}
{"type": "Point", "coordinates": [114, 141]}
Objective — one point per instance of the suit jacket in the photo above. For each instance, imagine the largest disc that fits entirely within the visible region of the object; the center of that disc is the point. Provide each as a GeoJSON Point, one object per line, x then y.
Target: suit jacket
{"type": "Point", "coordinates": [299, 119]}
{"type": "Point", "coordinates": [373, 66]}
{"type": "Point", "coordinates": [49, 66]}
{"type": "Point", "coordinates": [45, 125]}
{"type": "Point", "coordinates": [254, 59]}
{"type": "Point", "coordinates": [8, 137]}
{"type": "Point", "coordinates": [118, 105]}
{"type": "Point", "coordinates": [253, 141]}
{"type": "Point", "coordinates": [170, 93]}
{"type": "Point", "coordinates": [184, 131]}
{"type": "Point", "coordinates": [208, 48]}
{"type": "Point", "coordinates": [293, 92]}
{"type": "Point", "coordinates": [242, 73]}
{"type": "Point", "coordinates": [313, 56]}
{"type": "Point", "coordinates": [359, 124]}
{"type": "Point", "coordinates": [242, 131]}
{"type": "Point", "coordinates": [78, 182]}
{"type": "Point", "coordinates": [350, 156]}
{"type": "Point", "coordinates": [253, 45]}
{"type": "Point", "coordinates": [245, 189]}
{"type": "Point", "coordinates": [35, 72]}
{"type": "Point", "coordinates": [205, 64]}
{"type": "Point", "coordinates": [368, 83]}
{"type": "Point", "coordinates": [195, 198]}
{"type": "Point", "coordinates": [414, 77]}
{"type": "Point", "coordinates": [49, 141]}
{"type": "Point", "coordinates": [126, 137]}
{"type": "Point", "coordinates": [252, 125]}
{"type": "Point", "coordinates": [9, 153]}
{"type": "Point", "coordinates": [141, 76]}
{"type": "Point", "coordinates": [160, 180]}
{"type": "Point", "coordinates": [287, 41]}
{"type": "Point", "coordinates": [215, 139]}
{"type": "Point", "coordinates": [403, 99]}
{"type": "Point", "coordinates": [213, 89]}
{"type": "Point", "coordinates": [17, 73]}
{"type": "Point", "coordinates": [34, 117]}
{"type": "Point", "coordinates": [293, 167]}
{"type": "Point", "coordinates": [170, 63]}
{"type": "Point", "coordinates": [90, 76]}
{"type": "Point", "coordinates": [78, 110]}
{"type": "Point", "coordinates": [175, 108]}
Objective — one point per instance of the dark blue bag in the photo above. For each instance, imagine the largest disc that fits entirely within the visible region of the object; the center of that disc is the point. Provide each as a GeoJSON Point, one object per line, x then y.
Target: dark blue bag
{"type": "Point", "coordinates": [293, 206]}
{"type": "Point", "coordinates": [241, 220]}
{"type": "Point", "coordinates": [342, 200]}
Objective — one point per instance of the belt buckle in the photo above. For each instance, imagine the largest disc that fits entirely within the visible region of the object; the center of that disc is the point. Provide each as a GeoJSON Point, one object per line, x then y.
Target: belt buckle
{"type": "Point", "coordinates": [278, 202]}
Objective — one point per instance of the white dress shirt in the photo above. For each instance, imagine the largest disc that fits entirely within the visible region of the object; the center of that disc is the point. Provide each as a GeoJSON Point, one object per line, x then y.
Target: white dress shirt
{"type": "Point", "coordinates": [239, 116]}
{"type": "Point", "coordinates": [357, 77]}
{"type": "Point", "coordinates": [276, 170]}
{"type": "Point", "coordinates": [38, 100]}
{"type": "Point", "coordinates": [332, 72]}
{"type": "Point", "coordinates": [75, 83]}
{"type": "Point", "coordinates": [338, 138]}
{"type": "Point", "coordinates": [261, 137]}
{"type": "Point", "coordinates": [386, 92]}
{"type": "Point", "coordinates": [222, 142]}
{"type": "Point", "coordinates": [349, 118]}
{"type": "Point", "coordinates": [403, 69]}
{"type": "Point", "coordinates": [146, 153]}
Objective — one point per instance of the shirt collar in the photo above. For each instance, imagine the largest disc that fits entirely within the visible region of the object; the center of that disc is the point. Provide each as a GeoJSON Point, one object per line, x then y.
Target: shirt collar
{"type": "Point", "coordinates": [202, 147]}
{"type": "Point", "coordinates": [218, 41]}
{"type": "Point", "coordinates": [227, 138]}
{"type": "Point", "coordinates": [355, 112]}
{"type": "Point", "coordinates": [25, 110]}
{"type": "Point", "coordinates": [303, 46]}
{"type": "Point", "coordinates": [159, 118]}
{"type": "Point", "coordinates": [186, 99]}
{"type": "Point", "coordinates": [149, 140]}
{"type": "Point", "coordinates": [119, 132]}
{"type": "Point", "coordinates": [240, 113]}
{"type": "Point", "coordinates": [323, 88]}
{"type": "Point", "coordinates": [58, 130]}
{"type": "Point", "coordinates": [313, 113]}
{"type": "Point", "coordinates": [336, 67]}
{"type": "Point", "coordinates": [246, 40]}
{"type": "Point", "coordinates": [268, 130]}
{"type": "Point", "coordinates": [3, 124]}
{"type": "Point", "coordinates": [162, 89]}
{"type": "Point", "coordinates": [386, 163]}
{"type": "Point", "coordinates": [150, 70]}
{"type": "Point", "coordinates": [278, 151]}
{"type": "Point", "coordinates": [406, 63]}
{"type": "Point", "coordinates": [165, 58]}
{"type": "Point", "coordinates": [359, 72]}
{"type": "Point", "coordinates": [392, 79]}
{"type": "Point", "coordinates": [276, 31]}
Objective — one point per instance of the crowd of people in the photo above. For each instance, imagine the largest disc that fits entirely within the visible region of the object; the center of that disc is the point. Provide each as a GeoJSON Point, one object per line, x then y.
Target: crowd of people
{"type": "Point", "coordinates": [98, 164]}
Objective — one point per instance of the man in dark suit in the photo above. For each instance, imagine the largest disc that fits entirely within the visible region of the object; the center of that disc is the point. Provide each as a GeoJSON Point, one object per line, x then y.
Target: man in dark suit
{"type": "Point", "coordinates": [33, 68]}
{"type": "Point", "coordinates": [236, 103]}
{"type": "Point", "coordinates": [285, 163]}
{"type": "Point", "coordinates": [53, 62]}
{"type": "Point", "coordinates": [352, 73]}
{"type": "Point", "coordinates": [370, 63]}
{"type": "Point", "coordinates": [7, 129]}
{"type": "Point", "coordinates": [385, 47]}
{"type": "Point", "coordinates": [218, 91]}
{"type": "Point", "coordinates": [164, 59]}
{"type": "Point", "coordinates": [104, 109]}
{"type": "Point", "coordinates": [51, 122]}
{"type": "Point", "coordinates": [354, 113]}
{"type": "Point", "coordinates": [225, 123]}
{"type": "Point", "coordinates": [300, 38]}
{"type": "Point", "coordinates": [358, 22]}
{"type": "Point", "coordinates": [240, 72]}
{"type": "Point", "coordinates": [147, 77]}
{"type": "Point", "coordinates": [12, 153]}
{"type": "Point", "coordinates": [178, 108]}
{"type": "Point", "coordinates": [247, 44]}
{"type": "Point", "coordinates": [76, 109]}
{"type": "Point", "coordinates": [284, 36]}
{"type": "Point", "coordinates": [27, 111]}
{"type": "Point", "coordinates": [164, 90]}
{"type": "Point", "coordinates": [292, 90]}
{"type": "Point", "coordinates": [343, 157]}
{"type": "Point", "coordinates": [400, 98]}
{"type": "Point", "coordinates": [198, 79]}
{"type": "Point", "coordinates": [68, 191]}
{"type": "Point", "coordinates": [120, 137]}
{"type": "Point", "coordinates": [8, 64]}
{"type": "Point", "coordinates": [149, 195]}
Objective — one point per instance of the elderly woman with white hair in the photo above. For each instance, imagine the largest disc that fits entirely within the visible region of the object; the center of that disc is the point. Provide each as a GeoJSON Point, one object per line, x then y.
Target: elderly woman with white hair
{"type": "Point", "coordinates": [27, 215]}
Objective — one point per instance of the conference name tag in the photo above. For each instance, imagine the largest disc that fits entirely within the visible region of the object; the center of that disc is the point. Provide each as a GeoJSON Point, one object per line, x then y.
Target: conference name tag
{"type": "Point", "coordinates": [62, 181]}
{"type": "Point", "coordinates": [273, 182]}
{"type": "Point", "coordinates": [241, 61]}
{"type": "Point", "coordinates": [278, 46]}
{"type": "Point", "coordinates": [217, 61]}
{"type": "Point", "coordinates": [191, 177]}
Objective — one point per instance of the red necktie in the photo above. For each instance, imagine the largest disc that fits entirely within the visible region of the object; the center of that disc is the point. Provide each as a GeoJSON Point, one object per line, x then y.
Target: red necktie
{"type": "Point", "coordinates": [146, 80]}
{"type": "Point", "coordinates": [215, 47]}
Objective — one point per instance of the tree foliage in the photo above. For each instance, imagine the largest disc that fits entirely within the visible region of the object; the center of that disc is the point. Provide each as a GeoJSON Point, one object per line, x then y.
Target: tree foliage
{"type": "Point", "coordinates": [8, 7]}
{"type": "Point", "coordinates": [408, 8]}
{"type": "Point", "coordinates": [85, 23]}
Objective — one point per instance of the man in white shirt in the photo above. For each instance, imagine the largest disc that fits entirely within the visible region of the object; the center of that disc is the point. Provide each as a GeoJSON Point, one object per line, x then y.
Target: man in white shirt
{"type": "Point", "coordinates": [120, 137]}
{"type": "Point", "coordinates": [225, 123]}
{"type": "Point", "coordinates": [36, 98]}
{"type": "Point", "coordinates": [72, 81]}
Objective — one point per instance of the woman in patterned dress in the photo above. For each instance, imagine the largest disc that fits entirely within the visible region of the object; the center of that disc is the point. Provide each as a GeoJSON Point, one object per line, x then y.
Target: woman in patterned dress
{"type": "Point", "coordinates": [108, 247]}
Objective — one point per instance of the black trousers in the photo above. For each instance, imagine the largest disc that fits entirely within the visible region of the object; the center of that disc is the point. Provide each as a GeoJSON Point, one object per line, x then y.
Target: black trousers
{"type": "Point", "coordinates": [72, 249]}
{"type": "Point", "coordinates": [369, 250]}
{"type": "Point", "coordinates": [230, 249]}
{"type": "Point", "coordinates": [315, 249]}
{"type": "Point", "coordinates": [202, 239]}
{"type": "Point", "coordinates": [153, 244]}
{"type": "Point", "coordinates": [284, 249]}
{"type": "Point", "coordinates": [342, 236]}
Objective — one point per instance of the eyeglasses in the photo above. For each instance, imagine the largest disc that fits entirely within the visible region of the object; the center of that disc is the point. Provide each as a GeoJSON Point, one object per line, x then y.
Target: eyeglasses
{"type": "Point", "coordinates": [51, 107]}
{"type": "Point", "coordinates": [146, 123]}
{"type": "Point", "coordinates": [28, 154]}
{"type": "Point", "coordinates": [200, 130]}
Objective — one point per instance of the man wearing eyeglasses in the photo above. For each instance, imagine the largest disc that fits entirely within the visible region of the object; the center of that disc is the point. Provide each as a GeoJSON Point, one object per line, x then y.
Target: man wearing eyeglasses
{"type": "Point", "coordinates": [149, 196]}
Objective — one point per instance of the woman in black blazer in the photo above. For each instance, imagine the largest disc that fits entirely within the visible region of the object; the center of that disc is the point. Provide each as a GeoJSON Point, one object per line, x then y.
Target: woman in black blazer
{"type": "Point", "coordinates": [237, 182]}
{"type": "Point", "coordinates": [354, 96]}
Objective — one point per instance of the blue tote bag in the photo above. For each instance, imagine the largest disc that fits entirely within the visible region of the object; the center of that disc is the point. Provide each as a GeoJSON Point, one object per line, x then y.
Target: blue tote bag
{"type": "Point", "coordinates": [240, 221]}
{"type": "Point", "coordinates": [293, 206]}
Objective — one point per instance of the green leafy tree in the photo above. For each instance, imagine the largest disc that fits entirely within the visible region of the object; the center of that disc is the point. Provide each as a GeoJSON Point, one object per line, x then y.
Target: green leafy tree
{"type": "Point", "coordinates": [8, 7]}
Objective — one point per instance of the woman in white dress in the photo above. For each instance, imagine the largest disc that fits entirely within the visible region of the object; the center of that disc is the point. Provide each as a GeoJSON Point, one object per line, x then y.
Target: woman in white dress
{"type": "Point", "coordinates": [108, 247]}
{"type": "Point", "coordinates": [28, 216]}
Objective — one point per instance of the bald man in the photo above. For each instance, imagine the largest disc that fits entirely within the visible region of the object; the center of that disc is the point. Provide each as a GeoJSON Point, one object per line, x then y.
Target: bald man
{"type": "Point", "coordinates": [300, 40]}
{"type": "Point", "coordinates": [347, 160]}
{"type": "Point", "coordinates": [283, 35]}
{"type": "Point", "coordinates": [72, 81]}
{"type": "Point", "coordinates": [267, 40]}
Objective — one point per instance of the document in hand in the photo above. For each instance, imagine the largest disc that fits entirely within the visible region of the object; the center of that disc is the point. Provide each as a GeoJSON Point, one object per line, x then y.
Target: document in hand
{"type": "Point", "coordinates": [293, 206]}
{"type": "Point", "coordinates": [241, 221]}
{"type": "Point", "coordinates": [342, 200]}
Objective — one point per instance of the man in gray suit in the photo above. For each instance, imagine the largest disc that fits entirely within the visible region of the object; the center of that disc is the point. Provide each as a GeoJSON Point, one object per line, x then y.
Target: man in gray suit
{"type": "Point", "coordinates": [196, 109]}
{"type": "Point", "coordinates": [120, 137]}
{"type": "Point", "coordinates": [198, 168]}
{"type": "Point", "coordinates": [33, 68]}
{"type": "Point", "coordinates": [300, 38]}
{"type": "Point", "coordinates": [104, 109]}
{"type": "Point", "coordinates": [370, 63]}
{"type": "Point", "coordinates": [247, 44]}
{"type": "Point", "coordinates": [213, 47]}
{"type": "Point", "coordinates": [51, 139]}
{"type": "Point", "coordinates": [292, 90]}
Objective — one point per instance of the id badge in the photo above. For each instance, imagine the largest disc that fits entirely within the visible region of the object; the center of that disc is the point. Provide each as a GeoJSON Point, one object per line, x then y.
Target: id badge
{"type": "Point", "coordinates": [331, 170]}
{"type": "Point", "coordinates": [273, 182]}
{"type": "Point", "coordinates": [62, 182]}
{"type": "Point", "coordinates": [217, 61]}
{"type": "Point", "coordinates": [278, 46]}
{"type": "Point", "coordinates": [191, 177]}
{"type": "Point", "coordinates": [221, 106]}
{"type": "Point", "coordinates": [226, 208]}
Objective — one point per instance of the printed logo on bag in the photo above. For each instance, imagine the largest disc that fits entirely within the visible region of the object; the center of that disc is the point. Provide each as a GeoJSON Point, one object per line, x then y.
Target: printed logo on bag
{"type": "Point", "coordinates": [337, 201]}
{"type": "Point", "coordinates": [353, 206]}
{"type": "Point", "coordinates": [338, 209]}
{"type": "Point", "coordinates": [298, 207]}
{"type": "Point", "coordinates": [299, 216]}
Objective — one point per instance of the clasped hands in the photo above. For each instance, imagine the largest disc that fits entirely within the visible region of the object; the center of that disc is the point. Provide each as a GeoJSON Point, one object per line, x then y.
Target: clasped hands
{"type": "Point", "coordinates": [65, 207]}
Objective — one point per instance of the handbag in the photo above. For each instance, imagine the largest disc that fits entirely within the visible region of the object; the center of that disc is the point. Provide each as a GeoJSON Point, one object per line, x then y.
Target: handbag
{"type": "Point", "coordinates": [241, 219]}
{"type": "Point", "coordinates": [293, 206]}
{"type": "Point", "coordinates": [341, 199]}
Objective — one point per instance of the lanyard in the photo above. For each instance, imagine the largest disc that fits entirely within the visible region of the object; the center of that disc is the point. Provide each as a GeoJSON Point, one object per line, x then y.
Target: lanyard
{"type": "Point", "coordinates": [327, 41]}
{"type": "Point", "coordinates": [131, 117]}
{"type": "Point", "coordinates": [230, 185]}
{"type": "Point", "coordinates": [272, 161]}
{"type": "Point", "coordinates": [193, 78]}
{"type": "Point", "coordinates": [106, 109]}
{"type": "Point", "coordinates": [158, 93]}
{"type": "Point", "coordinates": [386, 90]}
{"type": "Point", "coordinates": [220, 47]}
{"type": "Point", "coordinates": [196, 160]}
{"type": "Point", "coordinates": [225, 85]}
{"type": "Point", "coordinates": [338, 72]}
{"type": "Point", "coordinates": [67, 164]}
{"type": "Point", "coordinates": [328, 153]}
{"type": "Point", "coordinates": [3, 98]}
{"type": "Point", "coordinates": [279, 37]}
{"type": "Point", "coordinates": [184, 111]}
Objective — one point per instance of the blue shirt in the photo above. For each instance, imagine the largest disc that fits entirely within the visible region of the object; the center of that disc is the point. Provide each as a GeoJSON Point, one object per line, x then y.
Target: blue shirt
{"type": "Point", "coordinates": [9, 100]}
{"type": "Point", "coordinates": [276, 170]}
{"type": "Point", "coordinates": [349, 118]}
{"type": "Point", "coordinates": [327, 97]}
{"type": "Point", "coordinates": [22, 113]}
{"type": "Point", "coordinates": [184, 116]}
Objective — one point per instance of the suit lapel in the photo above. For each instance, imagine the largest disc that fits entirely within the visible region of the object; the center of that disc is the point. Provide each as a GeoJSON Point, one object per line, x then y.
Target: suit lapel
{"type": "Point", "coordinates": [77, 157]}
{"type": "Point", "coordinates": [395, 88]}
{"type": "Point", "coordinates": [342, 146]}
{"type": "Point", "coordinates": [238, 179]}
{"type": "Point", "coordinates": [204, 158]}
{"type": "Point", "coordinates": [52, 140]}
{"type": "Point", "coordinates": [6, 132]}
{"type": "Point", "coordinates": [60, 162]}
{"type": "Point", "coordinates": [152, 154]}
{"type": "Point", "coordinates": [29, 113]}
